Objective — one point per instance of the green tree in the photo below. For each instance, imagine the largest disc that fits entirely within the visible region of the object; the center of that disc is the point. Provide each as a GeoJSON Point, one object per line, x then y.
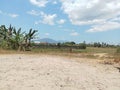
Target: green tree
{"type": "Point", "coordinates": [70, 43]}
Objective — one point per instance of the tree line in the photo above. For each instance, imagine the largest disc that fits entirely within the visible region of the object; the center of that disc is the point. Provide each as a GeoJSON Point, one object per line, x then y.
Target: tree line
{"type": "Point", "coordinates": [59, 45]}
{"type": "Point", "coordinates": [73, 45]}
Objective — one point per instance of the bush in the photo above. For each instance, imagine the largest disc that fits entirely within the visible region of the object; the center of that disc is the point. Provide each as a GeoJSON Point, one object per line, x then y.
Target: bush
{"type": "Point", "coordinates": [82, 46]}
{"type": "Point", "coordinates": [4, 44]}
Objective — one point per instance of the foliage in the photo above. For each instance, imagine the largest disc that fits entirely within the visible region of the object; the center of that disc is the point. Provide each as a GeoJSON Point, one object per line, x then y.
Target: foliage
{"type": "Point", "coordinates": [10, 38]}
{"type": "Point", "coordinates": [58, 45]}
{"type": "Point", "coordinates": [100, 44]}
{"type": "Point", "coordinates": [29, 36]}
{"type": "Point", "coordinates": [82, 45]}
{"type": "Point", "coordinates": [69, 43]}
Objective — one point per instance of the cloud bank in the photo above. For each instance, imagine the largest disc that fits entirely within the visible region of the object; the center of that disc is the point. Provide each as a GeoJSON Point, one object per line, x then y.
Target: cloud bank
{"type": "Point", "coordinates": [97, 13]}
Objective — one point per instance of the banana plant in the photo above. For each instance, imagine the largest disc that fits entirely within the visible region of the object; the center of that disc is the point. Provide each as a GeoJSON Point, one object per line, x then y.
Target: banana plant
{"type": "Point", "coordinates": [15, 39]}
{"type": "Point", "coordinates": [3, 32]}
{"type": "Point", "coordinates": [4, 36]}
{"type": "Point", "coordinates": [29, 36]}
{"type": "Point", "coordinates": [18, 38]}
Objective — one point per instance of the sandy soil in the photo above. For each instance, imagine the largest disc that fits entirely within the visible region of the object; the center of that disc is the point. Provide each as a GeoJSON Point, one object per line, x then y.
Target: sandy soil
{"type": "Point", "coordinates": [45, 72]}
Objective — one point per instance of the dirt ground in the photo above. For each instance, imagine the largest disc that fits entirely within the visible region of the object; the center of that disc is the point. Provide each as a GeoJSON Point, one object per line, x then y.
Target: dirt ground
{"type": "Point", "coordinates": [48, 72]}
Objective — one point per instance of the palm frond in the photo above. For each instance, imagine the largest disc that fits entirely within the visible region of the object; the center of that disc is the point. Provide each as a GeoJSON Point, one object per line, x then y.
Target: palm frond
{"type": "Point", "coordinates": [14, 31]}
{"type": "Point", "coordinates": [19, 31]}
{"type": "Point", "coordinates": [34, 31]}
{"type": "Point", "coordinates": [30, 31]}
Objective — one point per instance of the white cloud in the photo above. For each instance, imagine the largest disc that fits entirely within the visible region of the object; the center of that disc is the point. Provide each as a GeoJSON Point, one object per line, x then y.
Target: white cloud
{"type": "Point", "coordinates": [105, 27]}
{"type": "Point", "coordinates": [92, 12]}
{"type": "Point", "coordinates": [39, 3]}
{"type": "Point", "coordinates": [13, 15]}
{"type": "Point", "coordinates": [48, 19]}
{"type": "Point", "coordinates": [47, 34]}
{"type": "Point", "coordinates": [61, 21]}
{"type": "Point", "coordinates": [9, 14]}
{"type": "Point", "coordinates": [117, 19]}
{"type": "Point", "coordinates": [33, 12]}
{"type": "Point", "coordinates": [55, 2]}
{"type": "Point", "coordinates": [74, 34]}
{"type": "Point", "coordinates": [37, 22]}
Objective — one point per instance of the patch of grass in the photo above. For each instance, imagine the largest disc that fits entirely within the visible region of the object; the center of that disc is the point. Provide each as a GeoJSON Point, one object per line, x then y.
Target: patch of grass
{"type": "Point", "coordinates": [90, 56]}
{"type": "Point", "coordinates": [83, 53]}
{"type": "Point", "coordinates": [117, 57]}
{"type": "Point", "coordinates": [3, 51]}
{"type": "Point", "coordinates": [118, 50]}
{"type": "Point", "coordinates": [101, 50]}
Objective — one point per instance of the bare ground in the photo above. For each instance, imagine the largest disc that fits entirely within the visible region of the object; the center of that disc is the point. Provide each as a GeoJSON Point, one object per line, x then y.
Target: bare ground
{"type": "Point", "coordinates": [48, 72]}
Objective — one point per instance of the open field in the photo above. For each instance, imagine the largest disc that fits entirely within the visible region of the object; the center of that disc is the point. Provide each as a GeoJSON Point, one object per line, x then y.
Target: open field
{"type": "Point", "coordinates": [49, 72]}
{"type": "Point", "coordinates": [60, 45]}
{"type": "Point", "coordinates": [89, 52]}
{"type": "Point", "coordinates": [108, 54]}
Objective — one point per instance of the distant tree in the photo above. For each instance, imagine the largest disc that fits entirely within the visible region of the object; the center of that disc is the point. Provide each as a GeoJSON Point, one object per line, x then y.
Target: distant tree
{"type": "Point", "coordinates": [82, 45]}
{"type": "Point", "coordinates": [58, 45]}
{"type": "Point", "coordinates": [70, 43]}
{"type": "Point", "coordinates": [97, 44]}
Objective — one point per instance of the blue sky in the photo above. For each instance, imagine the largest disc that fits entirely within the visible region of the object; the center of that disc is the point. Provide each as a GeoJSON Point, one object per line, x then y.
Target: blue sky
{"type": "Point", "coordinates": [69, 20]}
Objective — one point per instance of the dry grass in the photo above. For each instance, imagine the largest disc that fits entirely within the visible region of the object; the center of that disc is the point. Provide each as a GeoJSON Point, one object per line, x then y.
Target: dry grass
{"type": "Point", "coordinates": [2, 51]}
{"type": "Point", "coordinates": [117, 58]}
{"type": "Point", "coordinates": [94, 53]}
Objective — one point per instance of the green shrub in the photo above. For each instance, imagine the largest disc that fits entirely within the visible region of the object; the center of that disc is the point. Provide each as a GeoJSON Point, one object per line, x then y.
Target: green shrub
{"type": "Point", "coordinates": [4, 44]}
{"type": "Point", "coordinates": [82, 46]}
